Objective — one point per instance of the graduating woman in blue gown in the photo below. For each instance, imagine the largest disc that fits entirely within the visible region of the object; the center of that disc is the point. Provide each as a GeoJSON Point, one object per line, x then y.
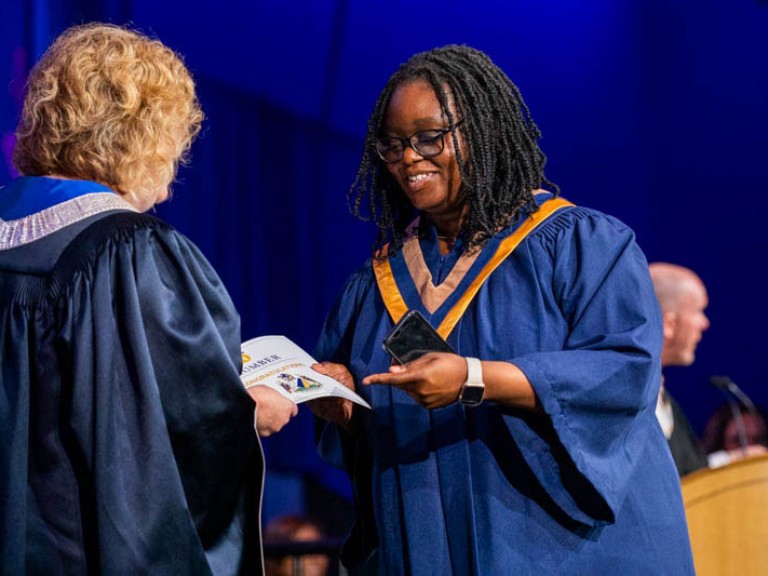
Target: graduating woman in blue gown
{"type": "Point", "coordinates": [534, 449]}
{"type": "Point", "coordinates": [128, 442]}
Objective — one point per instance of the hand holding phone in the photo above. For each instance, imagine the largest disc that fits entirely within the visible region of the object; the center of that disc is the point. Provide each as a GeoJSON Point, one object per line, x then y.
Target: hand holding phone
{"type": "Point", "coordinates": [412, 337]}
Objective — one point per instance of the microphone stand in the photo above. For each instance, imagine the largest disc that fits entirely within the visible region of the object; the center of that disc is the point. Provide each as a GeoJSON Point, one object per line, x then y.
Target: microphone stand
{"type": "Point", "coordinates": [731, 391]}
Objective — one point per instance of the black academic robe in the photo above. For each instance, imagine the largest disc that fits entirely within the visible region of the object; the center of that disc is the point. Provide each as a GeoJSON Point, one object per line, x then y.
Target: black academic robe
{"type": "Point", "coordinates": [686, 448]}
{"type": "Point", "coordinates": [128, 444]}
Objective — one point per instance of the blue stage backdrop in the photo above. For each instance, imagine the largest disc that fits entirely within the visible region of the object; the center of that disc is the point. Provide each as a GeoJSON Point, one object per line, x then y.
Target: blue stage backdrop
{"type": "Point", "coordinates": [651, 110]}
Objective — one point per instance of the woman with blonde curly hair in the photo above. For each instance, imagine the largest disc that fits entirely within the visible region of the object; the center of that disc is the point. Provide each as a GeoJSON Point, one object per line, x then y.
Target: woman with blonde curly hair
{"type": "Point", "coordinates": [107, 105]}
{"type": "Point", "coordinates": [128, 438]}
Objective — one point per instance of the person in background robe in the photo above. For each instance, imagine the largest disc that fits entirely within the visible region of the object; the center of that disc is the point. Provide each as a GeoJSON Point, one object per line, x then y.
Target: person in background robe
{"type": "Point", "coordinates": [534, 448]}
{"type": "Point", "coordinates": [727, 440]}
{"type": "Point", "coordinates": [683, 299]}
{"type": "Point", "coordinates": [290, 530]}
{"type": "Point", "coordinates": [128, 441]}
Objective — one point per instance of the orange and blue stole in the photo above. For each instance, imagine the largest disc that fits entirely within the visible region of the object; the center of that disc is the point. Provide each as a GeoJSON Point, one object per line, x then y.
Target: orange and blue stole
{"type": "Point", "coordinates": [405, 282]}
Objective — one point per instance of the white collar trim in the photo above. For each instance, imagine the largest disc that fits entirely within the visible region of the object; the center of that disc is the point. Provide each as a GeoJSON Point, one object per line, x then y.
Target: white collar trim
{"type": "Point", "coordinates": [15, 233]}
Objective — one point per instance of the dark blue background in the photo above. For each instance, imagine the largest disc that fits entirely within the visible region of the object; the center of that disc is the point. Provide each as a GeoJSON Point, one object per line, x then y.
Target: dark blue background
{"type": "Point", "coordinates": [653, 111]}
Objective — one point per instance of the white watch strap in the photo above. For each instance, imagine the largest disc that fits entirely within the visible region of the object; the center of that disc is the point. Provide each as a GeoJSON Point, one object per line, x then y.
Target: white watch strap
{"type": "Point", "coordinates": [474, 371]}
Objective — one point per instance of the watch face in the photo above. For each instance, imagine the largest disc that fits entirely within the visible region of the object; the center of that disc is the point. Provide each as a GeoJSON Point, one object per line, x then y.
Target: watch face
{"type": "Point", "coordinates": [471, 395]}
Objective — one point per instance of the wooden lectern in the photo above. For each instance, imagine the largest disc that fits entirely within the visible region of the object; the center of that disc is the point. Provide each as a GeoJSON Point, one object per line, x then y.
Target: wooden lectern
{"type": "Point", "coordinates": [727, 511]}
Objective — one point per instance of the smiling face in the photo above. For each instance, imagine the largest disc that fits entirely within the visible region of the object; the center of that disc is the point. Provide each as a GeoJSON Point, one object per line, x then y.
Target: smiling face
{"type": "Point", "coordinates": [433, 185]}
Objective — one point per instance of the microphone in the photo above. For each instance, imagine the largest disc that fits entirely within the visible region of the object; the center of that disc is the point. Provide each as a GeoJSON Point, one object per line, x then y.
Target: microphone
{"type": "Point", "coordinates": [731, 391]}
{"type": "Point", "coordinates": [725, 383]}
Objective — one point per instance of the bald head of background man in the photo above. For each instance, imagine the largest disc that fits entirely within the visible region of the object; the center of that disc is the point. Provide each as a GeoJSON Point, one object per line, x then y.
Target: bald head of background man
{"type": "Point", "coordinates": [683, 299]}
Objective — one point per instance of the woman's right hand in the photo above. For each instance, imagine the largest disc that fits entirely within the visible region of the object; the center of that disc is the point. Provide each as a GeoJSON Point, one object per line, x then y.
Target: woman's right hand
{"type": "Point", "coordinates": [333, 409]}
{"type": "Point", "coordinates": [273, 410]}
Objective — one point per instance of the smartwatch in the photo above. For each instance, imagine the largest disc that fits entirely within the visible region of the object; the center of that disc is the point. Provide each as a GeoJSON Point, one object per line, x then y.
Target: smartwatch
{"type": "Point", "coordinates": [472, 391]}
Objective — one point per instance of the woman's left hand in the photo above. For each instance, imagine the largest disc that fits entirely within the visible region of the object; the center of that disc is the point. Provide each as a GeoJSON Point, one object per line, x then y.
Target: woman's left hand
{"type": "Point", "coordinates": [333, 409]}
{"type": "Point", "coordinates": [432, 380]}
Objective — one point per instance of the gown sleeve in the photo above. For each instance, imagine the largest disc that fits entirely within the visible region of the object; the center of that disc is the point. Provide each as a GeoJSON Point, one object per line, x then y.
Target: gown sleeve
{"type": "Point", "coordinates": [349, 451]}
{"type": "Point", "coordinates": [600, 388]}
{"type": "Point", "coordinates": [158, 414]}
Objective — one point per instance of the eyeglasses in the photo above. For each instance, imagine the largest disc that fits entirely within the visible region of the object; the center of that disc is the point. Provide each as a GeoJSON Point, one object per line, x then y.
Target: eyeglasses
{"type": "Point", "coordinates": [427, 144]}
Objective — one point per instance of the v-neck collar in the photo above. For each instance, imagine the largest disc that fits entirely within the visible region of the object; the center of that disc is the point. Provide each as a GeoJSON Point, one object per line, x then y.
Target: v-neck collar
{"type": "Point", "coordinates": [405, 280]}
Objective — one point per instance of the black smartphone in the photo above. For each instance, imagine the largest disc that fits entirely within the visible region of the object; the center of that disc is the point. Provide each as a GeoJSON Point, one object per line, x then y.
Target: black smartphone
{"type": "Point", "coordinates": [412, 337]}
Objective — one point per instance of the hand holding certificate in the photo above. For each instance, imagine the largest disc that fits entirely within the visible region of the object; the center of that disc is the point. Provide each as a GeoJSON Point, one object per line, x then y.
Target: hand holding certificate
{"type": "Point", "coordinates": [277, 362]}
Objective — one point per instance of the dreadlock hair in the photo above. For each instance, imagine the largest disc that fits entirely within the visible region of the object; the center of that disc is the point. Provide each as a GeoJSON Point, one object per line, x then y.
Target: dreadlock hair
{"type": "Point", "coordinates": [504, 164]}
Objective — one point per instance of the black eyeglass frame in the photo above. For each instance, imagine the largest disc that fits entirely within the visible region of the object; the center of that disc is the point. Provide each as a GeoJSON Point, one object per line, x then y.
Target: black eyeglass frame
{"type": "Point", "coordinates": [407, 142]}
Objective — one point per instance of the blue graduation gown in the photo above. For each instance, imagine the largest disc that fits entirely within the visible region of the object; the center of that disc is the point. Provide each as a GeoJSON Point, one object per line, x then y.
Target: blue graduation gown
{"type": "Point", "coordinates": [128, 444]}
{"type": "Point", "coordinates": [587, 486]}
